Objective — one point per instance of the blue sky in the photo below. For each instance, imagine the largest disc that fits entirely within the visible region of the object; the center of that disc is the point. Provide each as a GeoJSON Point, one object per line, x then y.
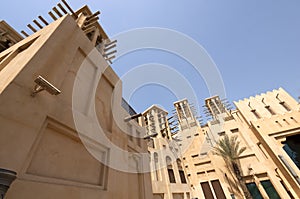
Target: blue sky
{"type": "Point", "coordinates": [255, 44]}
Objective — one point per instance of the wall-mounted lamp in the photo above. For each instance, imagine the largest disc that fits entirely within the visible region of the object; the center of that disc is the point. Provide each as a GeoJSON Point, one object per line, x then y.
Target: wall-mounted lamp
{"type": "Point", "coordinates": [42, 84]}
{"type": "Point", "coordinates": [6, 178]}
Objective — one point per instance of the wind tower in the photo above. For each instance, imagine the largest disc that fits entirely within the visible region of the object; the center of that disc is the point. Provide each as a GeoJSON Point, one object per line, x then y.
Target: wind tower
{"type": "Point", "coordinates": [185, 115]}
{"type": "Point", "coordinates": [217, 109]}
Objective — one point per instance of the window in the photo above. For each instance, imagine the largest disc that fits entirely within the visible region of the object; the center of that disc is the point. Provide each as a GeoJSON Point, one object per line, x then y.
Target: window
{"type": "Point", "coordinates": [156, 166]}
{"type": "Point", "coordinates": [234, 130]}
{"type": "Point", "coordinates": [270, 190]}
{"type": "Point", "coordinates": [292, 148]}
{"type": "Point", "coordinates": [221, 133]}
{"type": "Point", "coordinates": [270, 110]}
{"type": "Point", "coordinates": [170, 170]}
{"type": "Point", "coordinates": [188, 195]}
{"type": "Point", "coordinates": [182, 177]}
{"type": "Point", "coordinates": [255, 114]}
{"type": "Point", "coordinates": [285, 106]}
{"type": "Point", "coordinates": [254, 190]}
{"type": "Point", "coordinates": [129, 131]}
{"type": "Point", "coordinates": [181, 172]}
{"type": "Point", "coordinates": [138, 134]}
{"type": "Point", "coordinates": [203, 163]}
{"type": "Point", "coordinates": [194, 156]}
{"type": "Point", "coordinates": [218, 189]}
{"type": "Point", "coordinates": [206, 190]}
{"type": "Point", "coordinates": [287, 190]}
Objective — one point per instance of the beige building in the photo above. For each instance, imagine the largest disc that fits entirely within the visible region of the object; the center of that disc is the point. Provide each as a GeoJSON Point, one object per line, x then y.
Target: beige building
{"type": "Point", "coordinates": [39, 139]}
{"type": "Point", "coordinates": [57, 82]}
{"type": "Point", "coordinates": [267, 125]}
{"type": "Point", "coordinates": [168, 175]}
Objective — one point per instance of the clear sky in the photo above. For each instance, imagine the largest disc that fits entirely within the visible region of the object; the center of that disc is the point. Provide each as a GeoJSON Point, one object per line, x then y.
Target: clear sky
{"type": "Point", "coordinates": [255, 44]}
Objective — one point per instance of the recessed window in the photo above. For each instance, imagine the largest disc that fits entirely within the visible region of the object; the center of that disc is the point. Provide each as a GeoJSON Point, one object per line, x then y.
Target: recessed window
{"type": "Point", "coordinates": [211, 171]}
{"type": "Point", "coordinates": [182, 177]}
{"type": "Point", "coordinates": [234, 130]}
{"type": "Point", "coordinates": [206, 190]}
{"type": "Point", "coordinates": [138, 134]}
{"type": "Point", "coordinates": [254, 191]}
{"type": "Point", "coordinates": [129, 131]}
{"type": "Point", "coordinates": [271, 111]}
{"type": "Point", "coordinates": [221, 133]}
{"type": "Point", "coordinates": [285, 106]}
{"type": "Point", "coordinates": [218, 189]}
{"type": "Point", "coordinates": [255, 114]}
{"type": "Point", "coordinates": [170, 170]}
{"type": "Point", "coordinates": [270, 190]}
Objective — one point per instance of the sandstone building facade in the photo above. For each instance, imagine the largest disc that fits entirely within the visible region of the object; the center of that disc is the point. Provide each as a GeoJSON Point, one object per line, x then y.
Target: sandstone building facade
{"type": "Point", "coordinates": [267, 125]}
{"type": "Point", "coordinates": [39, 138]}
{"type": "Point", "coordinates": [41, 141]}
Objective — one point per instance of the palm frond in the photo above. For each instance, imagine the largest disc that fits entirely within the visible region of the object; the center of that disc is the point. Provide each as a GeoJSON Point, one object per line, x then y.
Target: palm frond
{"type": "Point", "coordinates": [229, 148]}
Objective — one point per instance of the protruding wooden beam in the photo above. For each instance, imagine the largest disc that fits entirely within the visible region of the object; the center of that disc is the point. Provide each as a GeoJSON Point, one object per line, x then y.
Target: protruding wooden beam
{"type": "Point", "coordinates": [110, 58]}
{"type": "Point", "coordinates": [57, 12]}
{"type": "Point", "coordinates": [70, 9]}
{"type": "Point", "coordinates": [62, 8]}
{"type": "Point", "coordinates": [31, 27]}
{"type": "Point", "coordinates": [43, 20]}
{"type": "Point", "coordinates": [38, 24]}
{"type": "Point", "coordinates": [89, 25]}
{"type": "Point", "coordinates": [93, 15]}
{"type": "Point", "coordinates": [110, 53]}
{"type": "Point", "coordinates": [24, 33]}
{"type": "Point", "coordinates": [52, 16]}
{"type": "Point", "coordinates": [92, 20]}
{"type": "Point", "coordinates": [110, 47]}
{"type": "Point", "coordinates": [86, 31]}
{"type": "Point", "coordinates": [3, 33]}
{"type": "Point", "coordinates": [110, 43]}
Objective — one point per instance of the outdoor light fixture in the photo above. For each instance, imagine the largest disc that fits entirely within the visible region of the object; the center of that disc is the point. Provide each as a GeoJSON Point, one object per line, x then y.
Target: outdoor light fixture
{"type": "Point", "coordinates": [6, 178]}
{"type": "Point", "coordinates": [131, 117]}
{"type": "Point", "coordinates": [42, 84]}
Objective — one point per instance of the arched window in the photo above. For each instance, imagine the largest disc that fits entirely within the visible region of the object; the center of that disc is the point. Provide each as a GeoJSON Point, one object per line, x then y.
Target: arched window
{"type": "Point", "coordinates": [170, 170]}
{"type": "Point", "coordinates": [157, 177]}
{"type": "Point", "coordinates": [181, 172]}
